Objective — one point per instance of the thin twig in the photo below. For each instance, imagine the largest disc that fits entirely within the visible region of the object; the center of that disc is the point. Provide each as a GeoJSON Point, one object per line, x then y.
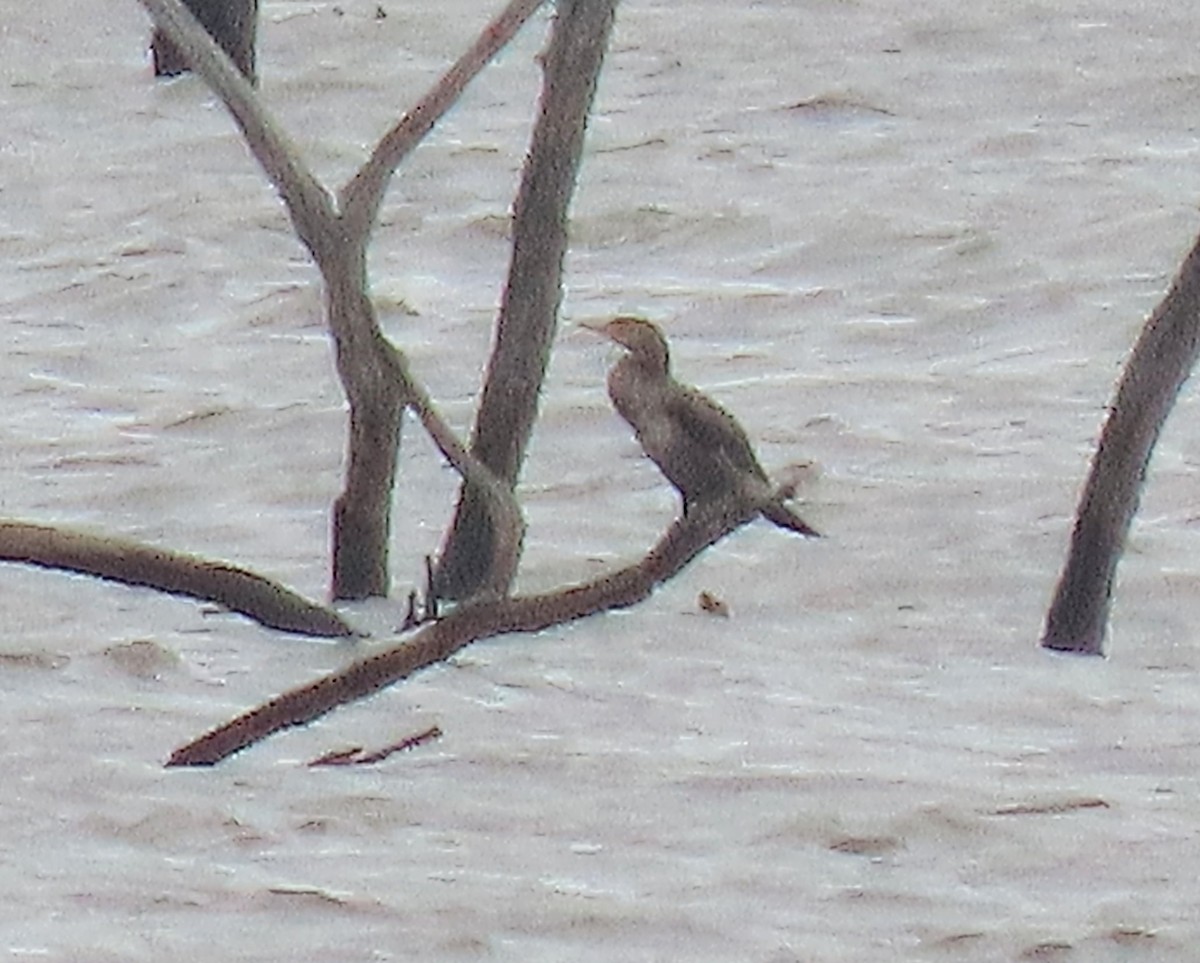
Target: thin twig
{"type": "Point", "coordinates": [429, 611]}
{"type": "Point", "coordinates": [355, 756]}
{"type": "Point", "coordinates": [338, 757]}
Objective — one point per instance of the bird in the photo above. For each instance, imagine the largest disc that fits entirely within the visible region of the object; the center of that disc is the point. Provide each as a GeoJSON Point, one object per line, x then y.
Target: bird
{"type": "Point", "coordinates": [696, 444]}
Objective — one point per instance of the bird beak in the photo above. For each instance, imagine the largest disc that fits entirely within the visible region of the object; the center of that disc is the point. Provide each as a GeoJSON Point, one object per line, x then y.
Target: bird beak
{"type": "Point", "coordinates": [596, 327]}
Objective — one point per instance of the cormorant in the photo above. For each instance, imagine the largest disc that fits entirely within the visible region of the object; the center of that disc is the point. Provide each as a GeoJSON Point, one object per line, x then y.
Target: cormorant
{"type": "Point", "coordinates": [695, 442]}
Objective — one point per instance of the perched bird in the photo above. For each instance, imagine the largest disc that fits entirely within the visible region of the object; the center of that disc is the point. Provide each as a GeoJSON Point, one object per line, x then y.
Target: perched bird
{"type": "Point", "coordinates": [695, 442]}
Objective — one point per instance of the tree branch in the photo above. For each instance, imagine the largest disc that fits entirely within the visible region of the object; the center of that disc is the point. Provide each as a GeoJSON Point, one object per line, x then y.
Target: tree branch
{"type": "Point", "coordinates": [308, 202]}
{"type": "Point", "coordinates": [362, 195]}
{"type": "Point", "coordinates": [682, 542]}
{"type": "Point", "coordinates": [238, 590]}
{"type": "Point", "coordinates": [365, 359]}
{"type": "Point", "coordinates": [504, 511]}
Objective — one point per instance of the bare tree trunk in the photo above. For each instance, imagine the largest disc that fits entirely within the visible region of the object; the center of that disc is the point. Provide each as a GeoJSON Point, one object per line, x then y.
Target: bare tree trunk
{"type": "Point", "coordinates": [232, 23]}
{"type": "Point", "coordinates": [1160, 363]}
{"type": "Point", "coordinates": [377, 398]}
{"type": "Point", "coordinates": [529, 311]}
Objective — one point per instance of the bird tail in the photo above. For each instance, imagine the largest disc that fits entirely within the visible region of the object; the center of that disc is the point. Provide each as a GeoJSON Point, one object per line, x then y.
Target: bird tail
{"type": "Point", "coordinates": [779, 514]}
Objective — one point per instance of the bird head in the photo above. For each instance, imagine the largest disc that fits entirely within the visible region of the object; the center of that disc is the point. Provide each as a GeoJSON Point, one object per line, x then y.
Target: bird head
{"type": "Point", "coordinates": [644, 341]}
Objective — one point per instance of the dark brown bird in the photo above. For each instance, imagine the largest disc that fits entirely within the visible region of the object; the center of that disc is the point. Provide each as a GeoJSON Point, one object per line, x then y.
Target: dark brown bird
{"type": "Point", "coordinates": [695, 442]}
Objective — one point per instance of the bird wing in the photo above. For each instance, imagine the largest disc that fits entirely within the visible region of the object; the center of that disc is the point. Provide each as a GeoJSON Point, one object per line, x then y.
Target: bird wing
{"type": "Point", "coordinates": [711, 426]}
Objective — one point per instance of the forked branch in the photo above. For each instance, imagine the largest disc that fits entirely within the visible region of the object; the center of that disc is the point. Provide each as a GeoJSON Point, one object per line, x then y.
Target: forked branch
{"type": "Point", "coordinates": [337, 241]}
{"type": "Point", "coordinates": [363, 194]}
{"type": "Point", "coordinates": [682, 542]}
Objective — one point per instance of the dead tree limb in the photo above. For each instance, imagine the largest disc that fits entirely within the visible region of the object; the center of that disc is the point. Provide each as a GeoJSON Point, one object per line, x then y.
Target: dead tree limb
{"type": "Point", "coordinates": [484, 618]}
{"type": "Point", "coordinates": [361, 197]}
{"type": "Point", "coordinates": [117, 560]}
{"type": "Point", "coordinates": [308, 203]}
{"type": "Point", "coordinates": [1160, 363]}
{"type": "Point", "coordinates": [529, 309]}
{"type": "Point", "coordinates": [366, 361]}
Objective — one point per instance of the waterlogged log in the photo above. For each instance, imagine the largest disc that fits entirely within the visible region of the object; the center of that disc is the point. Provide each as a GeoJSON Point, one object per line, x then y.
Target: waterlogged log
{"type": "Point", "coordinates": [473, 621]}
{"type": "Point", "coordinates": [132, 563]}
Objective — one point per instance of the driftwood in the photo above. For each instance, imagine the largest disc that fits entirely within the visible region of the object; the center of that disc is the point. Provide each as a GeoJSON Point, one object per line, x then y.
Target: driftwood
{"type": "Point", "coordinates": [471, 622]}
{"type": "Point", "coordinates": [236, 589]}
{"type": "Point", "coordinates": [529, 309]}
{"type": "Point", "coordinates": [1160, 363]}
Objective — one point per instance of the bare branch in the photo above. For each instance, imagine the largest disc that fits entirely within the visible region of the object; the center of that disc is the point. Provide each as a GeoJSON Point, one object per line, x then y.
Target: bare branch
{"type": "Point", "coordinates": [308, 202]}
{"type": "Point", "coordinates": [503, 509]}
{"type": "Point", "coordinates": [686, 539]}
{"type": "Point", "coordinates": [366, 361]}
{"type": "Point", "coordinates": [238, 590]}
{"type": "Point", "coordinates": [362, 195]}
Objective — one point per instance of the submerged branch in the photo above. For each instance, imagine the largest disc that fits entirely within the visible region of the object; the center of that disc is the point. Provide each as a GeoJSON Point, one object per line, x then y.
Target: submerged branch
{"type": "Point", "coordinates": [117, 560]}
{"type": "Point", "coordinates": [473, 621]}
